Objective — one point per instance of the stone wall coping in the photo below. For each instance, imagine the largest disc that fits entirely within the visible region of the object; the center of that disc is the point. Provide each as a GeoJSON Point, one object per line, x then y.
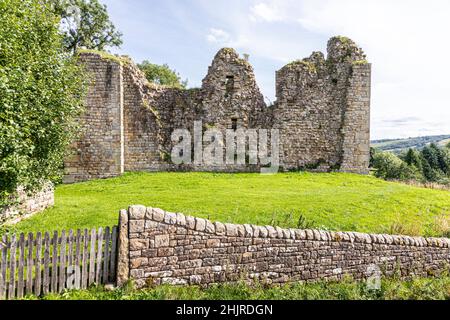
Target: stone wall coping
{"type": "Point", "coordinates": [139, 212]}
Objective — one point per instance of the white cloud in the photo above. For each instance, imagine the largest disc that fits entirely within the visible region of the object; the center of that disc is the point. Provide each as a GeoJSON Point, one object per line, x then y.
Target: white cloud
{"type": "Point", "coordinates": [406, 41]}
{"type": "Point", "coordinates": [218, 36]}
{"type": "Point", "coordinates": [265, 12]}
{"type": "Point", "coordinates": [222, 38]}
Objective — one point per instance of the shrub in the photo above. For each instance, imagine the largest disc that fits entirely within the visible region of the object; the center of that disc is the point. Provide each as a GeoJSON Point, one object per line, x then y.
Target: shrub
{"type": "Point", "coordinates": [431, 164]}
{"type": "Point", "coordinates": [41, 90]}
{"type": "Point", "coordinates": [391, 167]}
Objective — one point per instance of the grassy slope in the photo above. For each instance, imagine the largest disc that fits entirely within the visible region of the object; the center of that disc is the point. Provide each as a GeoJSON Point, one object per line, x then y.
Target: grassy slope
{"type": "Point", "coordinates": [334, 201]}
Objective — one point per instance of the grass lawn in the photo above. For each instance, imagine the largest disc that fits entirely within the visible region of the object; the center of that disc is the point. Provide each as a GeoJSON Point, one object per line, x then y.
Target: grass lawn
{"type": "Point", "coordinates": [391, 289]}
{"type": "Point", "coordinates": [335, 201]}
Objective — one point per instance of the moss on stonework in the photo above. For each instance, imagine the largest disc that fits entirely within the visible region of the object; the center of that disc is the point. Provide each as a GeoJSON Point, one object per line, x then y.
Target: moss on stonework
{"type": "Point", "coordinates": [239, 60]}
{"type": "Point", "coordinates": [153, 110]}
{"type": "Point", "coordinates": [228, 50]}
{"type": "Point", "coordinates": [309, 65]}
{"type": "Point", "coordinates": [360, 62]}
{"type": "Point", "coordinates": [152, 85]}
{"type": "Point", "coordinates": [165, 156]}
{"type": "Point", "coordinates": [344, 40]}
{"type": "Point", "coordinates": [107, 56]}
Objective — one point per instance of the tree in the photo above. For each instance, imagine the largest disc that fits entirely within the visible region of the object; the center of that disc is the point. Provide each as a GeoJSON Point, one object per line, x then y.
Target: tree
{"type": "Point", "coordinates": [391, 167]}
{"type": "Point", "coordinates": [86, 24]}
{"type": "Point", "coordinates": [41, 93]}
{"type": "Point", "coordinates": [413, 158]}
{"type": "Point", "coordinates": [431, 155]}
{"type": "Point", "coordinates": [162, 75]}
{"type": "Point", "coordinates": [436, 164]}
{"type": "Point", "coordinates": [443, 159]}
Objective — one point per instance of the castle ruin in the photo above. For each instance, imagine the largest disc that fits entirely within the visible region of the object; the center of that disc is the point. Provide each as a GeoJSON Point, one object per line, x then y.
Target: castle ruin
{"type": "Point", "coordinates": [322, 112]}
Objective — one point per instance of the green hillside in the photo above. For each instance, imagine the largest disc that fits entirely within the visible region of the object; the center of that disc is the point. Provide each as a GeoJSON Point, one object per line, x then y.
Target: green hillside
{"type": "Point", "coordinates": [399, 145]}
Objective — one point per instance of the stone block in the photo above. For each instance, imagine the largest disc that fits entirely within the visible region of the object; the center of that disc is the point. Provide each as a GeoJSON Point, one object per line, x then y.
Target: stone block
{"type": "Point", "coordinates": [137, 226]}
{"type": "Point", "coordinates": [162, 241]}
{"type": "Point", "coordinates": [137, 212]}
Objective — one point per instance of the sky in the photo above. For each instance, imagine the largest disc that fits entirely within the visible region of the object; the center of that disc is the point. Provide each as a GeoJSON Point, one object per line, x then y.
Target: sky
{"type": "Point", "coordinates": [406, 41]}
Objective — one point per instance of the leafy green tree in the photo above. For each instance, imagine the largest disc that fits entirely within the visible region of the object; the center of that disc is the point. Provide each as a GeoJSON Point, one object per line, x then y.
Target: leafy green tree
{"type": "Point", "coordinates": [443, 159]}
{"type": "Point", "coordinates": [413, 158]}
{"type": "Point", "coordinates": [431, 155]}
{"type": "Point", "coordinates": [429, 173]}
{"type": "Point", "coordinates": [390, 167]}
{"type": "Point", "coordinates": [436, 163]}
{"type": "Point", "coordinates": [162, 75]}
{"type": "Point", "coordinates": [86, 24]}
{"type": "Point", "coordinates": [41, 93]}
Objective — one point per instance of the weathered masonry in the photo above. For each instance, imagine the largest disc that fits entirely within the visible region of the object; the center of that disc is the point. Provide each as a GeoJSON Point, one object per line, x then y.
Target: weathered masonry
{"type": "Point", "coordinates": [322, 112]}
{"type": "Point", "coordinates": [167, 248]}
{"type": "Point", "coordinates": [28, 204]}
{"type": "Point", "coordinates": [152, 247]}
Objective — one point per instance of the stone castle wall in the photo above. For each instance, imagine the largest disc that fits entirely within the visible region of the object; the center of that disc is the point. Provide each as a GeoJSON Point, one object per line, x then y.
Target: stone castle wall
{"type": "Point", "coordinates": [98, 153]}
{"type": "Point", "coordinates": [323, 109]}
{"type": "Point", "coordinates": [322, 113]}
{"type": "Point", "coordinates": [158, 247]}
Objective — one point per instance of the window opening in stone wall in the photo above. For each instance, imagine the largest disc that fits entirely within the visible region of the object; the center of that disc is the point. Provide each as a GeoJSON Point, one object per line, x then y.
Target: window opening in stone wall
{"type": "Point", "coordinates": [234, 124]}
{"type": "Point", "coordinates": [229, 86]}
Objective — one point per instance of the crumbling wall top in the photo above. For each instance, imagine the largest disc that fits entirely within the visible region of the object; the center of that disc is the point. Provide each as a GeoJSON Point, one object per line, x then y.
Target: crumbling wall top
{"type": "Point", "coordinates": [342, 49]}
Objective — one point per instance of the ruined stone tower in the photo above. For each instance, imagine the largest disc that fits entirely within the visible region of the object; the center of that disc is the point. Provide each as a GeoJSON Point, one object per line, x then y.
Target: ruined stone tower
{"type": "Point", "coordinates": [323, 109]}
{"type": "Point", "coordinates": [322, 113]}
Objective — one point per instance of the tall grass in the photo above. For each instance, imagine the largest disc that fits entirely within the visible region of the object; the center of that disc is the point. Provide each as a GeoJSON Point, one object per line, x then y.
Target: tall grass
{"type": "Point", "coordinates": [391, 289]}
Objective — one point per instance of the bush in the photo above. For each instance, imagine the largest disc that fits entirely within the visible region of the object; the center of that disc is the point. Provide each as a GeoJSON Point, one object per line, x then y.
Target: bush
{"type": "Point", "coordinates": [431, 164]}
{"type": "Point", "coordinates": [41, 90]}
{"type": "Point", "coordinates": [391, 167]}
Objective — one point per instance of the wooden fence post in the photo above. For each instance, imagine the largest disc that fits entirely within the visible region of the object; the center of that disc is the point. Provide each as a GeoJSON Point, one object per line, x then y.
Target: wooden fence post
{"type": "Point", "coordinates": [3, 266]}
{"type": "Point", "coordinates": [12, 269]}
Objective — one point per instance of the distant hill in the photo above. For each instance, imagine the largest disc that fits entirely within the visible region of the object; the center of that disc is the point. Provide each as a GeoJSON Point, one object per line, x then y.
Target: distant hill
{"type": "Point", "coordinates": [398, 145]}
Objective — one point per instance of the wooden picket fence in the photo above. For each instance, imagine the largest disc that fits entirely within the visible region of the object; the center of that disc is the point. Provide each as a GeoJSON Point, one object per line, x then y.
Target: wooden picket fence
{"type": "Point", "coordinates": [41, 264]}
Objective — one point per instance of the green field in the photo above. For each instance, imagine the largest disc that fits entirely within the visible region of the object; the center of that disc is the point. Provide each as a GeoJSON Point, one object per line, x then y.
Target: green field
{"type": "Point", "coordinates": [334, 201]}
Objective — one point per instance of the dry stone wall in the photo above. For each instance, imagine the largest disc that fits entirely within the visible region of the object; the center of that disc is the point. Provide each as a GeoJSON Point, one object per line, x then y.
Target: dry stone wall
{"type": "Point", "coordinates": [322, 112]}
{"type": "Point", "coordinates": [28, 204]}
{"type": "Point", "coordinates": [170, 248]}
